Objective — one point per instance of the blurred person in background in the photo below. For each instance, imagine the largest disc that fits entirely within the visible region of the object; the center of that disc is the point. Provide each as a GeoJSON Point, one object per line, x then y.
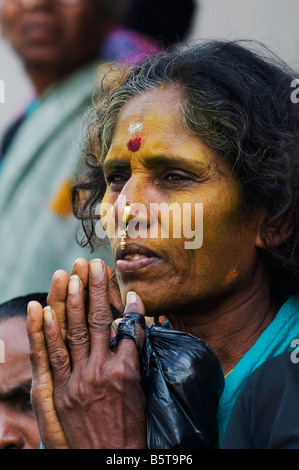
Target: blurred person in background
{"type": "Point", "coordinates": [58, 43]}
{"type": "Point", "coordinates": [18, 424]}
{"type": "Point", "coordinates": [64, 46]}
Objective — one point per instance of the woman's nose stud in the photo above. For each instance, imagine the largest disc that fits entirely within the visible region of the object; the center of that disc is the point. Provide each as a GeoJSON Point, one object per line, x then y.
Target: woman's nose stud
{"type": "Point", "coordinates": [126, 219]}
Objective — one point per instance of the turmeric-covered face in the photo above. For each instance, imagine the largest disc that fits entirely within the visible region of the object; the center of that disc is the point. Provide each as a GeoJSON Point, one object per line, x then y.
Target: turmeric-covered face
{"type": "Point", "coordinates": [152, 160]}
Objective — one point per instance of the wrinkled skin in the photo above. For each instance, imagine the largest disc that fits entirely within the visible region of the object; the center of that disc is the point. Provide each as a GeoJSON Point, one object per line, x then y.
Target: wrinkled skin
{"type": "Point", "coordinates": [87, 376]}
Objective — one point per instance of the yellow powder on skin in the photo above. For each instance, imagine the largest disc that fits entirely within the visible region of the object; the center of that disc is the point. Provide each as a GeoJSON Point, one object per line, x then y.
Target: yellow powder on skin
{"type": "Point", "coordinates": [231, 276]}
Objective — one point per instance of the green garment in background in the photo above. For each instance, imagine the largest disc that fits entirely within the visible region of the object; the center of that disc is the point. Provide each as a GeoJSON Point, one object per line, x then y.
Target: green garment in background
{"type": "Point", "coordinates": [37, 232]}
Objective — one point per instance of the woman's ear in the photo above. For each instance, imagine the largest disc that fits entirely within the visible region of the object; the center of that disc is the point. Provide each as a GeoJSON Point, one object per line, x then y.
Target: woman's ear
{"type": "Point", "coordinates": [276, 233]}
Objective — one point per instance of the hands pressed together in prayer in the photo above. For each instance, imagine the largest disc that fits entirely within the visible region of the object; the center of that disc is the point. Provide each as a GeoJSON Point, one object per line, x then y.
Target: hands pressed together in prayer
{"type": "Point", "coordinates": [85, 395]}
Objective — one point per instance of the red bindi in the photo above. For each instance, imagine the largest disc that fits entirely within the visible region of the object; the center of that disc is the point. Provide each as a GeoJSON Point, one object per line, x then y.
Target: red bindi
{"type": "Point", "coordinates": [134, 144]}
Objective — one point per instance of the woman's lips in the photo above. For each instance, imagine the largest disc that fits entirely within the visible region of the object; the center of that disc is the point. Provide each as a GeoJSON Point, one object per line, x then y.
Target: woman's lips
{"type": "Point", "coordinates": [135, 257]}
{"type": "Point", "coordinates": [129, 265]}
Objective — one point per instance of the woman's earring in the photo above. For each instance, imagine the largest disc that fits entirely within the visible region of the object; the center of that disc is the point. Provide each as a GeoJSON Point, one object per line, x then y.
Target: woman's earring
{"type": "Point", "coordinates": [123, 233]}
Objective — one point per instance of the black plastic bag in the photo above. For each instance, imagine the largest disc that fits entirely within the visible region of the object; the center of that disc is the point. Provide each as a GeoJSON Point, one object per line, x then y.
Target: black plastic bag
{"type": "Point", "coordinates": [183, 382]}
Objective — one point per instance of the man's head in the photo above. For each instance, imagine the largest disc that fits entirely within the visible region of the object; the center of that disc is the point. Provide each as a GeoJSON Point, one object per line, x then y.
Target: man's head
{"type": "Point", "coordinates": [18, 425]}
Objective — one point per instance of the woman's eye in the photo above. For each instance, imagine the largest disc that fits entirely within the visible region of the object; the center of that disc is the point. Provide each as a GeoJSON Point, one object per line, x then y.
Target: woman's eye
{"type": "Point", "coordinates": [178, 178]}
{"type": "Point", "coordinates": [116, 179]}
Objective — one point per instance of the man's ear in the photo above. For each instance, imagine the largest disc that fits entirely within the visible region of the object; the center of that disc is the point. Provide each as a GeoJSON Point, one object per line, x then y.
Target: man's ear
{"type": "Point", "coordinates": [275, 234]}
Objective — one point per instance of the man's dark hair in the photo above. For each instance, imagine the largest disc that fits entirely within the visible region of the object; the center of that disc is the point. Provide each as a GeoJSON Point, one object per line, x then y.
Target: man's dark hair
{"type": "Point", "coordinates": [18, 306]}
{"type": "Point", "coordinates": [168, 21]}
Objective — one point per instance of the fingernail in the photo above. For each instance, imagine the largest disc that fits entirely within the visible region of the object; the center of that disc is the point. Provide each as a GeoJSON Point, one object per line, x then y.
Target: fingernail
{"type": "Point", "coordinates": [131, 297]}
{"type": "Point", "coordinates": [48, 315]}
{"type": "Point", "coordinates": [74, 263]}
{"type": "Point", "coordinates": [74, 284]}
{"type": "Point", "coordinates": [28, 308]}
{"type": "Point", "coordinates": [115, 326]}
{"type": "Point", "coordinates": [96, 266]}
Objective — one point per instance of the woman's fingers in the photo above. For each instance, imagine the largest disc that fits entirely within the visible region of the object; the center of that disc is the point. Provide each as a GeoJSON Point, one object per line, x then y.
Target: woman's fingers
{"type": "Point", "coordinates": [81, 269]}
{"type": "Point", "coordinates": [58, 292]}
{"type": "Point", "coordinates": [57, 298]}
{"type": "Point", "coordinates": [83, 397]}
{"type": "Point", "coordinates": [134, 304]}
{"type": "Point", "coordinates": [100, 316]}
{"type": "Point", "coordinates": [38, 350]}
{"type": "Point", "coordinates": [114, 295]}
{"type": "Point", "coordinates": [57, 352]}
{"type": "Point", "coordinates": [78, 334]}
{"type": "Point", "coordinates": [42, 383]}
{"type": "Point", "coordinates": [126, 347]}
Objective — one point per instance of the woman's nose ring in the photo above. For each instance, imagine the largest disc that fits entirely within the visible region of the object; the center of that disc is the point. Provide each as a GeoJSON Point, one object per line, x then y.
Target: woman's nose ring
{"type": "Point", "coordinates": [123, 233]}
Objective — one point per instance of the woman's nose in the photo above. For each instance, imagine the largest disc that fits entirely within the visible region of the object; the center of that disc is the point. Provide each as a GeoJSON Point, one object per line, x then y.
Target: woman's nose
{"type": "Point", "coordinates": [129, 215]}
{"type": "Point", "coordinates": [133, 203]}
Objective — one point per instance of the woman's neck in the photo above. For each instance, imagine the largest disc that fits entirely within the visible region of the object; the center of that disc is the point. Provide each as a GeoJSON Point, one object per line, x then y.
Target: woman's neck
{"type": "Point", "coordinates": [233, 326]}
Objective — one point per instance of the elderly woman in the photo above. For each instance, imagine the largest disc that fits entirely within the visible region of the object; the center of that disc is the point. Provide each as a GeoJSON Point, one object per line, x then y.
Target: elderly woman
{"type": "Point", "coordinates": [208, 124]}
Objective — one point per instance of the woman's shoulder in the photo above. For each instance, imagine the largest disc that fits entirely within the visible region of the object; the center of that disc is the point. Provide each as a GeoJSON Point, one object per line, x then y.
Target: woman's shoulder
{"type": "Point", "coordinates": [266, 414]}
